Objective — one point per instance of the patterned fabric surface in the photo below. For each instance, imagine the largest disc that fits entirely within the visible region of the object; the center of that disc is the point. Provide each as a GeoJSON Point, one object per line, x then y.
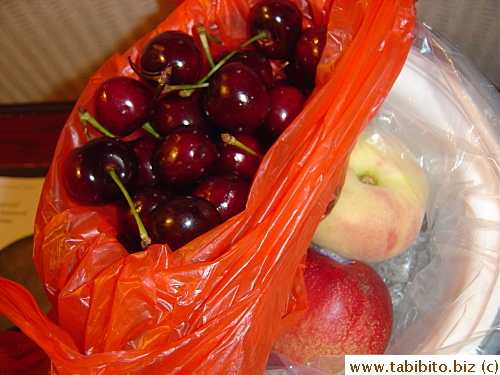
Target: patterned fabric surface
{"type": "Point", "coordinates": [50, 48]}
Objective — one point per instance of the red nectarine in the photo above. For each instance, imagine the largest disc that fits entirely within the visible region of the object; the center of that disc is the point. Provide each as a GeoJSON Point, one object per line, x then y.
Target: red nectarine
{"type": "Point", "coordinates": [349, 311]}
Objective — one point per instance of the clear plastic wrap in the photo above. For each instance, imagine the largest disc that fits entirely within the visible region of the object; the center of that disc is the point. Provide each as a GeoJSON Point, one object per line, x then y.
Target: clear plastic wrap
{"type": "Point", "coordinates": [445, 287]}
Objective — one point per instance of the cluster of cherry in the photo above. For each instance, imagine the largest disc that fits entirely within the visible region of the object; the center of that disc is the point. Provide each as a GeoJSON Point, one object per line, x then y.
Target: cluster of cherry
{"type": "Point", "coordinates": [199, 140]}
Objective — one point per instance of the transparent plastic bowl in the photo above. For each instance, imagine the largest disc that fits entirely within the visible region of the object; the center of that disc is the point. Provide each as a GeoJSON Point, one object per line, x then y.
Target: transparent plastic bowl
{"type": "Point", "coordinates": [447, 112]}
{"type": "Point", "coordinates": [445, 287]}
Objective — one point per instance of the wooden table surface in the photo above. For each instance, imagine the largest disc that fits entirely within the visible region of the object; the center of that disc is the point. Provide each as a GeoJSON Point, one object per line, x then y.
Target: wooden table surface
{"type": "Point", "coordinates": [29, 134]}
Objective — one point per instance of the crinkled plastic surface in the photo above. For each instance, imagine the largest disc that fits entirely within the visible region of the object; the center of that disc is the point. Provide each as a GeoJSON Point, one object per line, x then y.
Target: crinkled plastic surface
{"type": "Point", "coordinates": [445, 288]}
{"type": "Point", "coordinates": [216, 305]}
{"type": "Point", "coordinates": [453, 301]}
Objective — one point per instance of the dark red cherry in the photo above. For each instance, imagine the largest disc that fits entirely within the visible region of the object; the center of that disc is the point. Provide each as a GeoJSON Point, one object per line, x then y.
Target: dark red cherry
{"type": "Point", "coordinates": [182, 219]}
{"type": "Point", "coordinates": [173, 110]}
{"type": "Point", "coordinates": [145, 200]}
{"type": "Point", "coordinates": [234, 159]}
{"type": "Point", "coordinates": [282, 20]}
{"type": "Point", "coordinates": [176, 49]}
{"type": "Point", "coordinates": [123, 105]}
{"type": "Point", "coordinates": [287, 102]}
{"type": "Point", "coordinates": [253, 59]}
{"type": "Point", "coordinates": [185, 156]}
{"type": "Point", "coordinates": [86, 171]}
{"type": "Point", "coordinates": [301, 70]}
{"type": "Point", "coordinates": [296, 77]}
{"type": "Point", "coordinates": [145, 147]}
{"type": "Point", "coordinates": [236, 99]}
{"type": "Point", "coordinates": [227, 192]}
{"type": "Point", "coordinates": [308, 50]}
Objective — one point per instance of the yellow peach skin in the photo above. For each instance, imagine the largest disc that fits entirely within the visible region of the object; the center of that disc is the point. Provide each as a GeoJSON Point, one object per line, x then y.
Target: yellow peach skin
{"type": "Point", "coordinates": [381, 206]}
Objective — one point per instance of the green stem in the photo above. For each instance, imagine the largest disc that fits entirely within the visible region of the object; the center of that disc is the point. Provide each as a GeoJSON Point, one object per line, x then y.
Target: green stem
{"type": "Point", "coordinates": [231, 140]}
{"type": "Point", "coordinates": [184, 90]}
{"type": "Point", "coordinates": [202, 32]}
{"type": "Point", "coordinates": [86, 117]}
{"type": "Point", "coordinates": [231, 54]}
{"type": "Point", "coordinates": [145, 239]}
{"type": "Point", "coordinates": [188, 91]}
{"type": "Point", "coordinates": [86, 130]}
{"type": "Point", "coordinates": [147, 126]}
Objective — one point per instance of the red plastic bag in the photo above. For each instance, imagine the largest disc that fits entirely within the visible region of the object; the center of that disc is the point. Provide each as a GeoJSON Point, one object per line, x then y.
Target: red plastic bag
{"type": "Point", "coordinates": [216, 305]}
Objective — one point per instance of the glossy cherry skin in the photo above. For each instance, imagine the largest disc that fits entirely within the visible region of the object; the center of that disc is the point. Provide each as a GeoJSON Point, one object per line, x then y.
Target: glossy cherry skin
{"type": "Point", "coordinates": [123, 105]}
{"type": "Point", "coordinates": [227, 192]}
{"type": "Point", "coordinates": [145, 200]}
{"type": "Point", "coordinates": [145, 147]}
{"type": "Point", "coordinates": [236, 160]}
{"type": "Point", "coordinates": [287, 101]}
{"type": "Point", "coordinates": [282, 20]}
{"type": "Point", "coordinates": [86, 171]}
{"type": "Point", "coordinates": [186, 155]}
{"type": "Point", "coordinates": [176, 49]}
{"type": "Point", "coordinates": [308, 50]}
{"type": "Point", "coordinates": [301, 70]}
{"type": "Point", "coordinates": [253, 59]}
{"type": "Point", "coordinates": [182, 219]}
{"type": "Point", "coordinates": [173, 110]}
{"type": "Point", "coordinates": [237, 99]}
{"type": "Point", "coordinates": [297, 78]}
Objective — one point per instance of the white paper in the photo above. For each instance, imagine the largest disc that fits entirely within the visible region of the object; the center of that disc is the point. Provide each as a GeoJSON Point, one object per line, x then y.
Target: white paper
{"type": "Point", "coordinates": [19, 198]}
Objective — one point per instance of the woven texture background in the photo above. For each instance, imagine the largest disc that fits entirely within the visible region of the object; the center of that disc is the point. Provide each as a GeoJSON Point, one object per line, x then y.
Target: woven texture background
{"type": "Point", "coordinates": [50, 48]}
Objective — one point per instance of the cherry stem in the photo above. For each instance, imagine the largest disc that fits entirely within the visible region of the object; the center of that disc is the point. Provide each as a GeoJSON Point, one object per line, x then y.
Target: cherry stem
{"type": "Point", "coordinates": [278, 71]}
{"type": "Point", "coordinates": [212, 38]}
{"type": "Point", "coordinates": [202, 32]}
{"type": "Point", "coordinates": [163, 79]}
{"type": "Point", "coordinates": [144, 73]}
{"type": "Point", "coordinates": [86, 117]}
{"type": "Point", "coordinates": [145, 239]}
{"type": "Point", "coordinates": [214, 69]}
{"type": "Point", "coordinates": [231, 140]}
{"type": "Point", "coordinates": [149, 128]}
{"type": "Point", "coordinates": [86, 130]}
{"type": "Point", "coordinates": [231, 54]}
{"type": "Point", "coordinates": [186, 90]}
